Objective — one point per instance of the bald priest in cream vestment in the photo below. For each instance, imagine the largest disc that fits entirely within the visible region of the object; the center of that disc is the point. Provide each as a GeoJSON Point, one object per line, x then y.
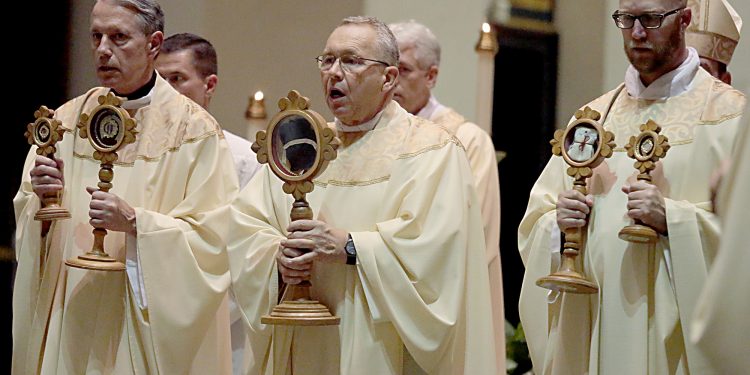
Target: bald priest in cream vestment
{"type": "Point", "coordinates": [408, 208]}
{"type": "Point", "coordinates": [403, 190]}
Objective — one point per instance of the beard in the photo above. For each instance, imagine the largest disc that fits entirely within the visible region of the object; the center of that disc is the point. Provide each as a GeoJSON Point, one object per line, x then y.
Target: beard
{"type": "Point", "coordinates": [662, 55]}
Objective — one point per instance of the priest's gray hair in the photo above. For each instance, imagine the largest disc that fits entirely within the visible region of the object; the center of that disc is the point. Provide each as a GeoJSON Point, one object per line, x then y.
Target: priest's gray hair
{"type": "Point", "coordinates": [149, 13]}
{"type": "Point", "coordinates": [384, 37]}
{"type": "Point", "coordinates": [412, 34]}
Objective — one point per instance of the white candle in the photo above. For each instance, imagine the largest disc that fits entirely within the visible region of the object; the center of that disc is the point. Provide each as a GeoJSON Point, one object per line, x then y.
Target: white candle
{"type": "Point", "coordinates": [256, 115]}
{"type": "Point", "coordinates": [486, 49]}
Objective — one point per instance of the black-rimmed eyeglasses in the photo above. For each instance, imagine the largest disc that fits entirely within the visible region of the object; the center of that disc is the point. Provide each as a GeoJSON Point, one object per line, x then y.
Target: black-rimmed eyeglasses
{"type": "Point", "coordinates": [648, 20]}
{"type": "Point", "coordinates": [348, 62]}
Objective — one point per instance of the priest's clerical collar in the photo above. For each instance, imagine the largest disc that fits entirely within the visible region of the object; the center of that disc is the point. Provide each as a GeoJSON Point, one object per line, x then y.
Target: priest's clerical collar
{"type": "Point", "coordinates": [140, 97]}
{"type": "Point", "coordinates": [363, 127]}
{"type": "Point", "coordinates": [141, 92]}
{"type": "Point", "coordinates": [671, 84]}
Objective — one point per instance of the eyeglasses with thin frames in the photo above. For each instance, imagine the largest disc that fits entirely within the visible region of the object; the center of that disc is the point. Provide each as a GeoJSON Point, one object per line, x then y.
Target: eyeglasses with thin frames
{"type": "Point", "coordinates": [648, 20]}
{"type": "Point", "coordinates": [348, 62]}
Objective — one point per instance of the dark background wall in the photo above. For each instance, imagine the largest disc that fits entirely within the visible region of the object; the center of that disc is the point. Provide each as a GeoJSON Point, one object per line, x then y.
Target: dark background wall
{"type": "Point", "coordinates": [35, 57]}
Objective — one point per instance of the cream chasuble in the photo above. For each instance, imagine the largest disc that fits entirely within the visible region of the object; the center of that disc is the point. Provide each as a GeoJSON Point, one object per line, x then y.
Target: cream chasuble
{"type": "Point", "coordinates": [721, 326]}
{"type": "Point", "coordinates": [481, 154]}
{"type": "Point", "coordinates": [633, 325]}
{"type": "Point", "coordinates": [404, 190]}
{"type": "Point", "coordinates": [75, 321]}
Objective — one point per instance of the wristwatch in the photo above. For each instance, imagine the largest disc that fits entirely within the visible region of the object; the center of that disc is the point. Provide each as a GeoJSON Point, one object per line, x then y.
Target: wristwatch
{"type": "Point", "coordinates": [351, 251]}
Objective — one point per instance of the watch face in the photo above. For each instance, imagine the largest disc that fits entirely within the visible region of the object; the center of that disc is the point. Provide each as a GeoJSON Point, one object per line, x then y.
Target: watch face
{"type": "Point", "coordinates": [349, 247]}
{"type": "Point", "coordinates": [351, 251]}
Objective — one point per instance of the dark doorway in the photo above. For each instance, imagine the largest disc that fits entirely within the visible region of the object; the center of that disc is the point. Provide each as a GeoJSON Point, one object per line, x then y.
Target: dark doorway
{"type": "Point", "coordinates": [523, 122]}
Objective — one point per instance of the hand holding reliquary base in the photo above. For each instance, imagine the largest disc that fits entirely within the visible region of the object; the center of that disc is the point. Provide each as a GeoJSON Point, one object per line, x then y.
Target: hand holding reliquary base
{"type": "Point", "coordinates": [108, 128]}
{"type": "Point", "coordinates": [646, 148]}
{"type": "Point", "coordinates": [584, 144]}
{"type": "Point", "coordinates": [297, 146]}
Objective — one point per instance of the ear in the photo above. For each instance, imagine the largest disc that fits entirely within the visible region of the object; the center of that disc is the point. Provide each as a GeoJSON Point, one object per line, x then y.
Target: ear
{"type": "Point", "coordinates": [211, 82]}
{"type": "Point", "coordinates": [154, 43]}
{"type": "Point", "coordinates": [432, 74]}
{"type": "Point", "coordinates": [726, 77]}
{"type": "Point", "coordinates": [390, 78]}
{"type": "Point", "coordinates": [687, 16]}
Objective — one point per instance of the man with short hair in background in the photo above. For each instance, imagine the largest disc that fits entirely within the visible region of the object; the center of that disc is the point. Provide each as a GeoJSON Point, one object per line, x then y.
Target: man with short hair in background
{"type": "Point", "coordinates": [189, 63]}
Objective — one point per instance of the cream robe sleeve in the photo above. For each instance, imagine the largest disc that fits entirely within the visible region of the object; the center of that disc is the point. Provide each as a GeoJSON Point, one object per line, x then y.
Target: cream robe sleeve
{"type": "Point", "coordinates": [26, 204]}
{"type": "Point", "coordinates": [481, 154]}
{"type": "Point", "coordinates": [693, 230]}
{"type": "Point", "coordinates": [257, 217]}
{"type": "Point", "coordinates": [425, 267]}
{"type": "Point", "coordinates": [721, 327]}
{"type": "Point", "coordinates": [28, 241]}
{"type": "Point", "coordinates": [183, 263]}
{"type": "Point", "coordinates": [535, 234]}
{"type": "Point", "coordinates": [32, 251]}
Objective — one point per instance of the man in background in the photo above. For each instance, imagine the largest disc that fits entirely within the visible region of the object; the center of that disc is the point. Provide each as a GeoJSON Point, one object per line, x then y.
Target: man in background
{"type": "Point", "coordinates": [714, 32]}
{"type": "Point", "coordinates": [189, 63]}
{"type": "Point", "coordinates": [419, 65]}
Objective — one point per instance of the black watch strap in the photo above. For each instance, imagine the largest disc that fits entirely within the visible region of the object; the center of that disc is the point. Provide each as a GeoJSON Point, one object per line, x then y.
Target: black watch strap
{"type": "Point", "coordinates": [351, 251]}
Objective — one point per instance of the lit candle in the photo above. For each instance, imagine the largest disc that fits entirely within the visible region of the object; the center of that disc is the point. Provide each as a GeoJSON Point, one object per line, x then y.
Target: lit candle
{"type": "Point", "coordinates": [255, 115]}
{"type": "Point", "coordinates": [486, 49]}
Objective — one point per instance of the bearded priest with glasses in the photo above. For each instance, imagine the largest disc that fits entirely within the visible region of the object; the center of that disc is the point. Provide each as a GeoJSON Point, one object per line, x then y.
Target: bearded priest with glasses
{"type": "Point", "coordinates": [397, 245]}
{"type": "Point", "coordinates": [639, 320]}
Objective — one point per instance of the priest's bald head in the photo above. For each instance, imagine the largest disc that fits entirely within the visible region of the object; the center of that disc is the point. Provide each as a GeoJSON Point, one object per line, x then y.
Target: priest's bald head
{"type": "Point", "coordinates": [714, 32]}
{"type": "Point", "coordinates": [358, 69]}
{"type": "Point", "coordinates": [419, 62]}
{"type": "Point", "coordinates": [653, 33]}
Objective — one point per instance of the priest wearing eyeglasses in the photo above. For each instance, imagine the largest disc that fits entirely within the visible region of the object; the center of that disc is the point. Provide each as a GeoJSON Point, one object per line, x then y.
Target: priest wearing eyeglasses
{"type": "Point", "coordinates": [397, 245]}
{"type": "Point", "coordinates": [639, 321]}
